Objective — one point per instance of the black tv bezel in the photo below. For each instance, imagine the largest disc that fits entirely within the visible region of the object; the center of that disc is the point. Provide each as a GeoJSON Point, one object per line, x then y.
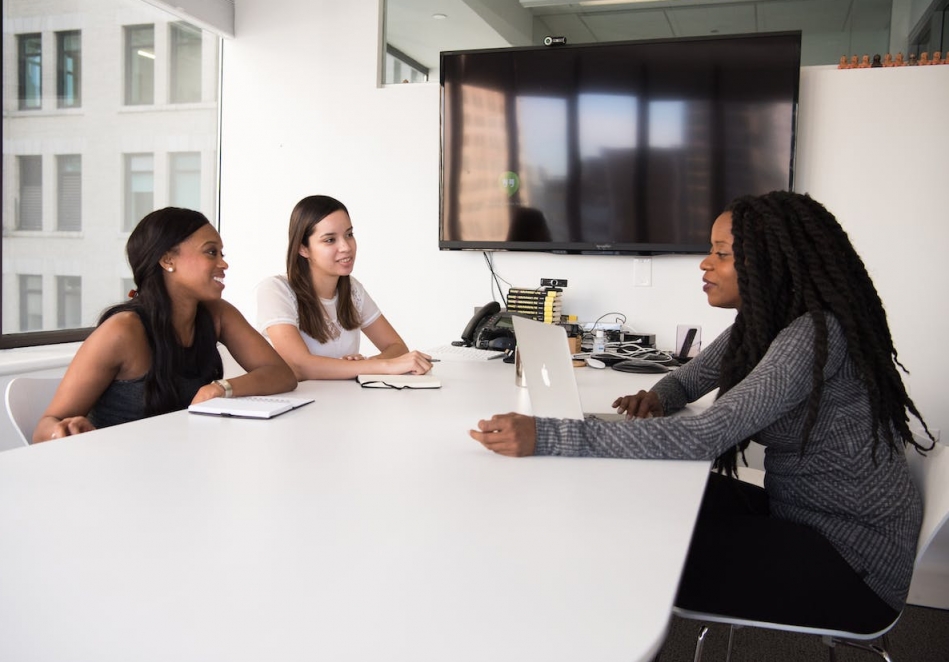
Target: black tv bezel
{"type": "Point", "coordinates": [590, 248]}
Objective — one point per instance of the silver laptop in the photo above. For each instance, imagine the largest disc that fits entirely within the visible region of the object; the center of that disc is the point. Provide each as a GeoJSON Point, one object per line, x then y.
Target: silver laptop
{"type": "Point", "coordinates": [548, 371]}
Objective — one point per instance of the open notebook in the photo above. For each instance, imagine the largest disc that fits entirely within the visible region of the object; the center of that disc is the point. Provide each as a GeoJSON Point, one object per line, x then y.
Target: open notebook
{"type": "Point", "coordinates": [549, 372]}
{"type": "Point", "coordinates": [257, 406]}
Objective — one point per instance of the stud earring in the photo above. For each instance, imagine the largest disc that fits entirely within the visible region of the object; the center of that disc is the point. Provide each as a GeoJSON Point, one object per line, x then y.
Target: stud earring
{"type": "Point", "coordinates": [170, 269]}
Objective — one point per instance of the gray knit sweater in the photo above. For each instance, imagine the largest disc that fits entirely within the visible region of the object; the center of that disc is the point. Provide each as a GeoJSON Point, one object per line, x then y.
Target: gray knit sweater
{"type": "Point", "coordinates": [870, 511]}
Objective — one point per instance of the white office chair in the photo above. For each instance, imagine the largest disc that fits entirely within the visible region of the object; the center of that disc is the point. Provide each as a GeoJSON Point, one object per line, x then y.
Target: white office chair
{"type": "Point", "coordinates": [931, 475]}
{"type": "Point", "coordinates": [26, 399]}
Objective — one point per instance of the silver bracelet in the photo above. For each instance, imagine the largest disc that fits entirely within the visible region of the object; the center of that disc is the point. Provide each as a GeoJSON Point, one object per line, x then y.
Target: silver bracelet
{"type": "Point", "coordinates": [226, 385]}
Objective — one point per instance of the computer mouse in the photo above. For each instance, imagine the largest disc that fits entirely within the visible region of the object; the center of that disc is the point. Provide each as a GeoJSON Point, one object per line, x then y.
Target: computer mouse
{"type": "Point", "coordinates": [595, 363]}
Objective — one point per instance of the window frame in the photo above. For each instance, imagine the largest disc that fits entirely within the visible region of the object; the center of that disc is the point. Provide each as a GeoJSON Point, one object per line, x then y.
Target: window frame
{"type": "Point", "coordinates": [23, 61]}
{"type": "Point", "coordinates": [63, 74]}
{"type": "Point", "coordinates": [24, 292]}
{"type": "Point", "coordinates": [134, 87]}
{"type": "Point", "coordinates": [132, 214]}
{"type": "Point", "coordinates": [63, 161]}
{"type": "Point", "coordinates": [176, 63]}
{"type": "Point", "coordinates": [37, 161]}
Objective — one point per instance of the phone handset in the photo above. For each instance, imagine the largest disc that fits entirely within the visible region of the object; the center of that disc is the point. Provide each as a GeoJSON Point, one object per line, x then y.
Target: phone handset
{"type": "Point", "coordinates": [484, 313]}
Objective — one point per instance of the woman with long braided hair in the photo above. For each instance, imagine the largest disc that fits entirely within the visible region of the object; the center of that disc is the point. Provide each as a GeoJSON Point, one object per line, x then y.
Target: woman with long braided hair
{"type": "Point", "coordinates": [808, 370]}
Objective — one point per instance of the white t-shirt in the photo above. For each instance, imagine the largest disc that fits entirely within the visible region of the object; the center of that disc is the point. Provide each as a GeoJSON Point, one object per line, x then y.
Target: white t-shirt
{"type": "Point", "coordinates": [277, 304]}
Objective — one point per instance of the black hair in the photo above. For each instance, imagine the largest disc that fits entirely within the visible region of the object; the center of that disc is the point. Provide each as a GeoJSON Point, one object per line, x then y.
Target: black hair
{"type": "Point", "coordinates": [792, 257]}
{"type": "Point", "coordinates": [158, 233]}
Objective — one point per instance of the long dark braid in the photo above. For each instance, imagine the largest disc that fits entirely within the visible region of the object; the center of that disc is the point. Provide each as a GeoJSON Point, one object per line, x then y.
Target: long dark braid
{"type": "Point", "coordinates": [792, 257]}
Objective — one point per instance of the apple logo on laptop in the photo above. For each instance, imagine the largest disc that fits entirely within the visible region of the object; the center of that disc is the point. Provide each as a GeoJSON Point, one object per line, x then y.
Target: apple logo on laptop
{"type": "Point", "coordinates": [545, 375]}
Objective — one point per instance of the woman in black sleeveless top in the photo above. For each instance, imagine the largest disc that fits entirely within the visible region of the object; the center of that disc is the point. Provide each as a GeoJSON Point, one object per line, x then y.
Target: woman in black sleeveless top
{"type": "Point", "coordinates": [157, 352]}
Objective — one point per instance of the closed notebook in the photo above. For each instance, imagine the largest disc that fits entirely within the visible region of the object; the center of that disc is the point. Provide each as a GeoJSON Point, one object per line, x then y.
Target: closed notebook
{"type": "Point", "coordinates": [257, 406]}
{"type": "Point", "coordinates": [398, 381]}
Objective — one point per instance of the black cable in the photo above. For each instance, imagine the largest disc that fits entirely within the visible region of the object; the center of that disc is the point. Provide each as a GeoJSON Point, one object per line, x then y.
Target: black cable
{"type": "Point", "coordinates": [495, 278]}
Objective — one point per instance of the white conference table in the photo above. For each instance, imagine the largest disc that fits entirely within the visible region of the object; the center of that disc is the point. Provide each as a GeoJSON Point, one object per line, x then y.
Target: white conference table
{"type": "Point", "coordinates": [364, 526]}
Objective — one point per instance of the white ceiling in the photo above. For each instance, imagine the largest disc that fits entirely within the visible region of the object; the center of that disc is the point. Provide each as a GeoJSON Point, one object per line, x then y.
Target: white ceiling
{"type": "Point", "coordinates": [480, 24]}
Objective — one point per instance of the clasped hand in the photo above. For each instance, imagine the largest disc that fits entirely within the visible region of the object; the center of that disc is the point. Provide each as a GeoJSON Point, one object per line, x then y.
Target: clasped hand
{"type": "Point", "coordinates": [515, 435]}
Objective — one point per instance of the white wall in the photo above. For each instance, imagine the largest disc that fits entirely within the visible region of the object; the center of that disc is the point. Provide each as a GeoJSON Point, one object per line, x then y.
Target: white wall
{"type": "Point", "coordinates": [302, 115]}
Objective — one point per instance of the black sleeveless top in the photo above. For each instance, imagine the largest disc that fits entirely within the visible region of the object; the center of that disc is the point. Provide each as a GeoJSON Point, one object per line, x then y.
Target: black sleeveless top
{"type": "Point", "coordinates": [124, 399]}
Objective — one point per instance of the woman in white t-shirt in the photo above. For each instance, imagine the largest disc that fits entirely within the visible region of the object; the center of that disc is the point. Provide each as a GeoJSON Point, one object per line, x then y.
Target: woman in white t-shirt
{"type": "Point", "coordinates": [313, 316]}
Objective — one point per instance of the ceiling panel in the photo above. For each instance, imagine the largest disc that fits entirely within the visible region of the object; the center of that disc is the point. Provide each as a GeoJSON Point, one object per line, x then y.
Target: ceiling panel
{"type": "Point", "coordinates": [807, 15]}
{"type": "Point", "coordinates": [563, 25]}
{"type": "Point", "coordinates": [700, 21]}
{"type": "Point", "coordinates": [620, 26]}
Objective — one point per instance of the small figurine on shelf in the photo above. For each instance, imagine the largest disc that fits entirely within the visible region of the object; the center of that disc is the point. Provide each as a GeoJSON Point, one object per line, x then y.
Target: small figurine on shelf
{"type": "Point", "coordinates": [912, 60]}
{"type": "Point", "coordinates": [898, 61]}
{"type": "Point", "coordinates": [876, 62]}
{"type": "Point", "coordinates": [937, 58]}
{"type": "Point", "coordinates": [888, 60]}
{"type": "Point", "coordinates": [864, 62]}
{"type": "Point", "coordinates": [843, 63]}
{"type": "Point", "coordinates": [854, 62]}
{"type": "Point", "coordinates": [924, 59]}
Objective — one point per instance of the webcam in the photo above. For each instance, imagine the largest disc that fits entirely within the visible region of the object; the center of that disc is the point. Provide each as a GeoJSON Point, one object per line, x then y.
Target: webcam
{"type": "Point", "coordinates": [554, 41]}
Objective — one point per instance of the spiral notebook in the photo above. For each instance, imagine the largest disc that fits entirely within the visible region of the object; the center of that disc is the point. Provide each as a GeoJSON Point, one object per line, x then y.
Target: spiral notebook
{"type": "Point", "coordinates": [256, 406]}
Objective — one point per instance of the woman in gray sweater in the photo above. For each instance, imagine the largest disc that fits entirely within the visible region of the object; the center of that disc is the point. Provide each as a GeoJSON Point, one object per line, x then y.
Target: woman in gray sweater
{"type": "Point", "coordinates": [808, 370]}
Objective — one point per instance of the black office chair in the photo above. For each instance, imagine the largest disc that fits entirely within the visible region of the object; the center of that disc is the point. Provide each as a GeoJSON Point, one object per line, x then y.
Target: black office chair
{"type": "Point", "coordinates": [931, 476]}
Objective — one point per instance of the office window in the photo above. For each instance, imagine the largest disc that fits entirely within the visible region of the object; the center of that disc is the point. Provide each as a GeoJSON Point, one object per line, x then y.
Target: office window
{"type": "Point", "coordinates": [185, 63]}
{"type": "Point", "coordinates": [68, 302]}
{"type": "Point", "coordinates": [101, 152]}
{"type": "Point", "coordinates": [68, 69]}
{"type": "Point", "coordinates": [139, 65]}
{"type": "Point", "coordinates": [400, 68]}
{"type": "Point", "coordinates": [139, 188]}
{"type": "Point", "coordinates": [31, 302]}
{"type": "Point", "coordinates": [186, 180]}
{"type": "Point", "coordinates": [69, 192]}
{"type": "Point", "coordinates": [30, 203]}
{"type": "Point", "coordinates": [30, 71]}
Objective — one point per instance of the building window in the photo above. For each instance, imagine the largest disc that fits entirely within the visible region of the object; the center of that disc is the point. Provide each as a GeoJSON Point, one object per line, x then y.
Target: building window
{"type": "Point", "coordinates": [30, 71]}
{"type": "Point", "coordinates": [139, 65]}
{"type": "Point", "coordinates": [31, 302]}
{"type": "Point", "coordinates": [139, 188]}
{"type": "Point", "coordinates": [30, 205]}
{"type": "Point", "coordinates": [68, 69]}
{"type": "Point", "coordinates": [68, 302]}
{"type": "Point", "coordinates": [185, 71]}
{"type": "Point", "coordinates": [186, 180]}
{"type": "Point", "coordinates": [69, 192]}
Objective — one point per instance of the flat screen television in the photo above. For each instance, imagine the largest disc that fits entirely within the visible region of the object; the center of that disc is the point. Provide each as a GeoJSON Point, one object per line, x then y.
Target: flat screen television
{"type": "Point", "coordinates": [612, 148]}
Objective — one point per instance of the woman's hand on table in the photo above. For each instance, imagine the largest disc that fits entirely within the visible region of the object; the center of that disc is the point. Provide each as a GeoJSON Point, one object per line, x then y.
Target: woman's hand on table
{"type": "Point", "coordinates": [514, 435]}
{"type": "Point", "coordinates": [644, 404]}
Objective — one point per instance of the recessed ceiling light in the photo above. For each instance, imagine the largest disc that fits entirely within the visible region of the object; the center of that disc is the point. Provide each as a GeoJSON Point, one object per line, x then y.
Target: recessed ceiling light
{"type": "Point", "coordinates": [439, 17]}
